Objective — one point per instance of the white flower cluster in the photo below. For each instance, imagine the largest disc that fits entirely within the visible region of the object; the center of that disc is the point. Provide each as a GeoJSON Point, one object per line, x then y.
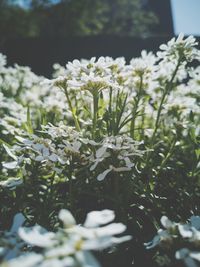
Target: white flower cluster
{"type": "Point", "coordinates": [119, 149]}
{"type": "Point", "coordinates": [92, 75]}
{"type": "Point", "coordinates": [20, 88]}
{"type": "Point", "coordinates": [180, 47]}
{"type": "Point", "coordinates": [185, 236]}
{"type": "Point", "coordinates": [141, 73]}
{"type": "Point", "coordinates": [52, 153]}
{"type": "Point", "coordinates": [14, 115]}
{"type": "Point", "coordinates": [64, 145]}
{"type": "Point", "coordinates": [62, 137]}
{"type": "Point", "coordinates": [15, 79]}
{"type": "Point", "coordinates": [70, 246]}
{"type": "Point", "coordinates": [145, 75]}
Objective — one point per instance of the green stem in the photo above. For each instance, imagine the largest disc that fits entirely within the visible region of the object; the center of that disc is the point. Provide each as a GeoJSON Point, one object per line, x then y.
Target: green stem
{"type": "Point", "coordinates": [167, 89]}
{"type": "Point", "coordinates": [71, 191]}
{"type": "Point", "coordinates": [165, 93]}
{"type": "Point", "coordinates": [135, 108]}
{"type": "Point", "coordinates": [95, 114]}
{"type": "Point", "coordinates": [142, 123]}
{"type": "Point", "coordinates": [164, 161]}
{"type": "Point", "coordinates": [72, 111]}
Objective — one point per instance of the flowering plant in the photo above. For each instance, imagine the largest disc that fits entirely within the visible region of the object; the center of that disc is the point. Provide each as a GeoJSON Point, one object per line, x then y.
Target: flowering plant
{"type": "Point", "coordinates": [102, 134]}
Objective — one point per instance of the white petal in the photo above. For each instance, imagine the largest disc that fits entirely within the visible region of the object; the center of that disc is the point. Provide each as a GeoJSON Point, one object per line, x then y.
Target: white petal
{"type": "Point", "coordinates": [66, 262]}
{"type": "Point", "coordinates": [163, 46]}
{"type": "Point", "coordinates": [100, 152]}
{"type": "Point", "coordinates": [98, 243]}
{"type": "Point", "coordinates": [180, 37]}
{"type": "Point", "coordinates": [121, 169]}
{"type": "Point", "coordinates": [37, 236]}
{"type": "Point", "coordinates": [9, 152]}
{"type": "Point", "coordinates": [166, 222]}
{"type": "Point", "coordinates": [38, 146]}
{"type": "Point", "coordinates": [95, 164]}
{"type": "Point", "coordinates": [67, 218]}
{"type": "Point", "coordinates": [53, 157]}
{"type": "Point", "coordinates": [2, 251]}
{"type": "Point", "coordinates": [111, 229]}
{"type": "Point", "coordinates": [118, 240]}
{"type": "Point", "coordinates": [86, 259]}
{"type": "Point", "coordinates": [96, 218]}
{"type": "Point", "coordinates": [39, 158]}
{"type": "Point", "coordinates": [45, 152]}
{"type": "Point", "coordinates": [60, 251]}
{"type": "Point", "coordinates": [153, 243]}
{"type": "Point", "coordinates": [185, 230]}
{"type": "Point", "coordinates": [18, 221]}
{"type": "Point", "coordinates": [77, 145]}
{"type": "Point", "coordinates": [104, 242]}
{"type": "Point", "coordinates": [102, 175]}
{"type": "Point", "coordinates": [129, 164]}
{"type": "Point", "coordinates": [195, 255]}
{"type": "Point", "coordinates": [10, 165]}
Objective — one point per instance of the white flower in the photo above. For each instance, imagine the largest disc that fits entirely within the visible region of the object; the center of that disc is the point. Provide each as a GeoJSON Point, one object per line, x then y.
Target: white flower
{"type": "Point", "coordinates": [97, 218]}
{"type": "Point", "coordinates": [181, 234]}
{"type": "Point", "coordinates": [70, 246]}
{"type": "Point", "coordinates": [144, 64]}
{"type": "Point", "coordinates": [179, 47]}
{"type": "Point", "coordinates": [122, 148]}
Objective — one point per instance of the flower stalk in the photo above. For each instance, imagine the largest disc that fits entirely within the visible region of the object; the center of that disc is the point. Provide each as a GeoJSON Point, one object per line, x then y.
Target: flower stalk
{"type": "Point", "coordinates": [135, 108]}
{"type": "Point", "coordinates": [76, 122]}
{"type": "Point", "coordinates": [95, 114]}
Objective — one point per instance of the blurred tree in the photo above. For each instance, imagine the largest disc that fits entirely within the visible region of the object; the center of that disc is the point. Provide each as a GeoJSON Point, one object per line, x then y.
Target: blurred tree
{"type": "Point", "coordinates": [15, 22]}
{"type": "Point", "coordinates": [129, 17]}
{"type": "Point", "coordinates": [62, 18]}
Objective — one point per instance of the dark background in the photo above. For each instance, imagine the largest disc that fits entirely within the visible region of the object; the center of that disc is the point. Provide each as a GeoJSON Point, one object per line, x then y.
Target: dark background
{"type": "Point", "coordinates": [43, 49]}
{"type": "Point", "coordinates": [41, 54]}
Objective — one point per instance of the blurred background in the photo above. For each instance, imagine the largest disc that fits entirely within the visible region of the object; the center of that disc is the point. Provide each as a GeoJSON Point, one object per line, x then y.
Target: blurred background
{"type": "Point", "coordinates": [39, 33]}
